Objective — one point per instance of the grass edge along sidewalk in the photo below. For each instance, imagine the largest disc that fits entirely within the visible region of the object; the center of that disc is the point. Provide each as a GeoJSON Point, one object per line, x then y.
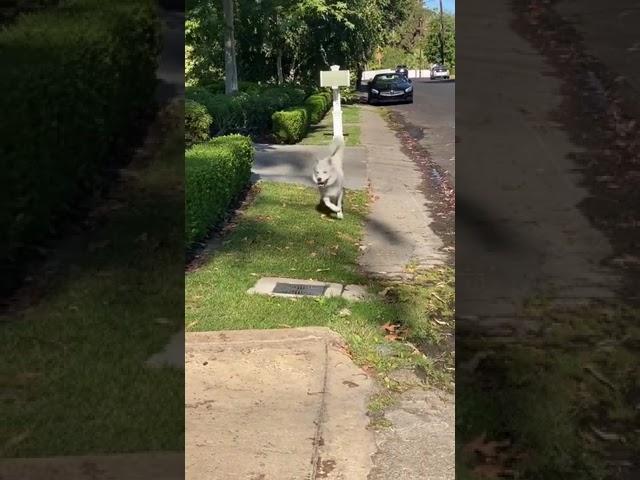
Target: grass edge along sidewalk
{"type": "Point", "coordinates": [72, 365]}
{"type": "Point", "coordinates": [281, 234]}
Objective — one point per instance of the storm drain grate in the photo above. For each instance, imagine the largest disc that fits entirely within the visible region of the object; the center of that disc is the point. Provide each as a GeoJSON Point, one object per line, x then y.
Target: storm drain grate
{"type": "Point", "coordinates": [300, 289]}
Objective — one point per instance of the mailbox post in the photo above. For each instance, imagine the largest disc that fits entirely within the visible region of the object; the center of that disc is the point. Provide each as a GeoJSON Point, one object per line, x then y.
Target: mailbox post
{"type": "Point", "coordinates": [336, 78]}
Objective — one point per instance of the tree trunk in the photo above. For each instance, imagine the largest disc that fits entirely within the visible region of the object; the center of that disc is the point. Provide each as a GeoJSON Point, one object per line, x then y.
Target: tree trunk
{"type": "Point", "coordinates": [230, 68]}
{"type": "Point", "coordinates": [359, 71]}
{"type": "Point", "coordinates": [279, 67]}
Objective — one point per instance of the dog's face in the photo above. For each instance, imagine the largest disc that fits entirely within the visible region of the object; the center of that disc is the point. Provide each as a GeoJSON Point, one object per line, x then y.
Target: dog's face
{"type": "Point", "coordinates": [324, 172]}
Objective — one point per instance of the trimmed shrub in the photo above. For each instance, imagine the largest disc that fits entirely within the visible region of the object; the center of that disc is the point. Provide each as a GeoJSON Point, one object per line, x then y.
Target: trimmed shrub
{"type": "Point", "coordinates": [196, 123]}
{"type": "Point", "coordinates": [229, 113]}
{"type": "Point", "coordinates": [218, 87]}
{"type": "Point", "coordinates": [348, 96]}
{"type": "Point", "coordinates": [246, 112]}
{"type": "Point", "coordinates": [215, 174]}
{"type": "Point", "coordinates": [317, 106]}
{"type": "Point", "coordinates": [202, 96]}
{"type": "Point", "coordinates": [290, 126]}
{"type": "Point", "coordinates": [75, 80]}
{"type": "Point", "coordinates": [287, 96]}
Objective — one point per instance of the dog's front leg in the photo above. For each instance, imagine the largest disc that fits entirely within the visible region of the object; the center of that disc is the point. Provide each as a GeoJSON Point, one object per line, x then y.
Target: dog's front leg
{"type": "Point", "coordinates": [327, 201]}
{"type": "Point", "coordinates": [340, 214]}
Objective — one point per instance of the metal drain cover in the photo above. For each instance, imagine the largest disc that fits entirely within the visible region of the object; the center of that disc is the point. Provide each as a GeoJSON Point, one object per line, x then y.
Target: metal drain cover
{"type": "Point", "coordinates": [300, 289]}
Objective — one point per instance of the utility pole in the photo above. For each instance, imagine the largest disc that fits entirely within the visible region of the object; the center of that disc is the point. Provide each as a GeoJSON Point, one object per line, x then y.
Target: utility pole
{"type": "Point", "coordinates": [441, 34]}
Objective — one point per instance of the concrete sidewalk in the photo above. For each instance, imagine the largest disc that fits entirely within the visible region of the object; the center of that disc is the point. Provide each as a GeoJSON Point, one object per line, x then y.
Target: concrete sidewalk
{"type": "Point", "coordinates": [397, 231]}
{"type": "Point", "coordinates": [294, 164]}
{"type": "Point", "coordinates": [275, 405]}
{"type": "Point", "coordinates": [524, 232]}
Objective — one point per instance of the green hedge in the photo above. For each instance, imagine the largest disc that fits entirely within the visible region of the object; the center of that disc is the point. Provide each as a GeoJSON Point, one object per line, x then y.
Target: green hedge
{"type": "Point", "coordinates": [196, 123]}
{"type": "Point", "coordinates": [215, 173]}
{"type": "Point", "coordinates": [243, 86]}
{"type": "Point", "coordinates": [246, 112]}
{"type": "Point", "coordinates": [74, 81]}
{"type": "Point", "coordinates": [290, 126]}
{"type": "Point", "coordinates": [202, 96]}
{"type": "Point", "coordinates": [317, 106]}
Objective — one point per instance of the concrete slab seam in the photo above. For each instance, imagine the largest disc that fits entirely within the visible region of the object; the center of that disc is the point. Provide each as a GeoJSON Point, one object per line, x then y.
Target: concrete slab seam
{"type": "Point", "coordinates": [315, 456]}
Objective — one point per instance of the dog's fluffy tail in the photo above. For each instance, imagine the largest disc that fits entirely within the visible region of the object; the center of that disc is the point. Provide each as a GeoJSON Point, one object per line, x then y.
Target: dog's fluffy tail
{"type": "Point", "coordinates": [337, 152]}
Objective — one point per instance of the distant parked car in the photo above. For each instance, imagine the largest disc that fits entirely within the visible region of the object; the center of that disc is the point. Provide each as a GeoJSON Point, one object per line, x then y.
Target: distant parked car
{"type": "Point", "coordinates": [402, 70]}
{"type": "Point", "coordinates": [439, 71]}
{"type": "Point", "coordinates": [390, 87]}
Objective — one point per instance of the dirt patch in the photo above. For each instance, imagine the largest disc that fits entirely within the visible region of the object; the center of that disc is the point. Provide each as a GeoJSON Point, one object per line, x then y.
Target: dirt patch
{"type": "Point", "coordinates": [325, 467]}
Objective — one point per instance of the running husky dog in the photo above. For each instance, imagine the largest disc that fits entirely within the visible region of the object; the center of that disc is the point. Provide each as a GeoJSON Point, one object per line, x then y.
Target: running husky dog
{"type": "Point", "coordinates": [329, 177]}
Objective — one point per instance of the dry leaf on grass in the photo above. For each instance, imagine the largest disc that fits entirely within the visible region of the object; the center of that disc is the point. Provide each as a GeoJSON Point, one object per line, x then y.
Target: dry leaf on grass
{"type": "Point", "coordinates": [488, 449]}
{"type": "Point", "coordinates": [390, 328]}
{"type": "Point", "coordinates": [492, 471]}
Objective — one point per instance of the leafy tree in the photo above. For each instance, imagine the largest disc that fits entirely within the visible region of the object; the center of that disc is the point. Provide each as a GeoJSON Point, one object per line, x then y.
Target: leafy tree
{"type": "Point", "coordinates": [431, 43]}
{"type": "Point", "coordinates": [289, 40]}
{"type": "Point", "coordinates": [204, 53]}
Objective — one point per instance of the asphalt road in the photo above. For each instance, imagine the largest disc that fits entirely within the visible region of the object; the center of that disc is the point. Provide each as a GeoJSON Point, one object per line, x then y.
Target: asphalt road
{"type": "Point", "coordinates": [433, 116]}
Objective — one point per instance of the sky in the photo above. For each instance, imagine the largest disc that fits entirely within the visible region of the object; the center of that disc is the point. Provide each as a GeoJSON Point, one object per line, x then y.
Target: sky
{"type": "Point", "coordinates": [448, 5]}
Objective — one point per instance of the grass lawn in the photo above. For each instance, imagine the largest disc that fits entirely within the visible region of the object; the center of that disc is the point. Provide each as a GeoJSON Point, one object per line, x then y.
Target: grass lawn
{"type": "Point", "coordinates": [72, 370]}
{"type": "Point", "coordinates": [281, 234]}
{"type": "Point", "coordinates": [548, 393]}
{"type": "Point", "coordinates": [322, 133]}
{"type": "Point", "coordinates": [350, 114]}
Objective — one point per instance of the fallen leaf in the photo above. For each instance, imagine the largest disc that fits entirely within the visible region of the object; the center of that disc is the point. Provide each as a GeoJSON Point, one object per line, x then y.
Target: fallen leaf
{"type": "Point", "coordinates": [607, 436]}
{"type": "Point", "coordinates": [485, 448]}
{"type": "Point", "coordinates": [345, 312]}
{"type": "Point", "coordinates": [98, 245]}
{"type": "Point", "coordinates": [492, 471]}
{"type": "Point", "coordinates": [17, 439]}
{"type": "Point", "coordinates": [390, 328]}
{"type": "Point", "coordinates": [599, 376]}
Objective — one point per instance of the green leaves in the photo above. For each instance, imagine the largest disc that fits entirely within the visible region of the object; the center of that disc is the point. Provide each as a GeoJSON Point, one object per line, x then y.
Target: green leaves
{"type": "Point", "coordinates": [306, 35]}
{"type": "Point", "coordinates": [74, 78]}
{"type": "Point", "coordinates": [215, 173]}
{"type": "Point", "coordinates": [290, 126]}
{"type": "Point", "coordinates": [196, 123]}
